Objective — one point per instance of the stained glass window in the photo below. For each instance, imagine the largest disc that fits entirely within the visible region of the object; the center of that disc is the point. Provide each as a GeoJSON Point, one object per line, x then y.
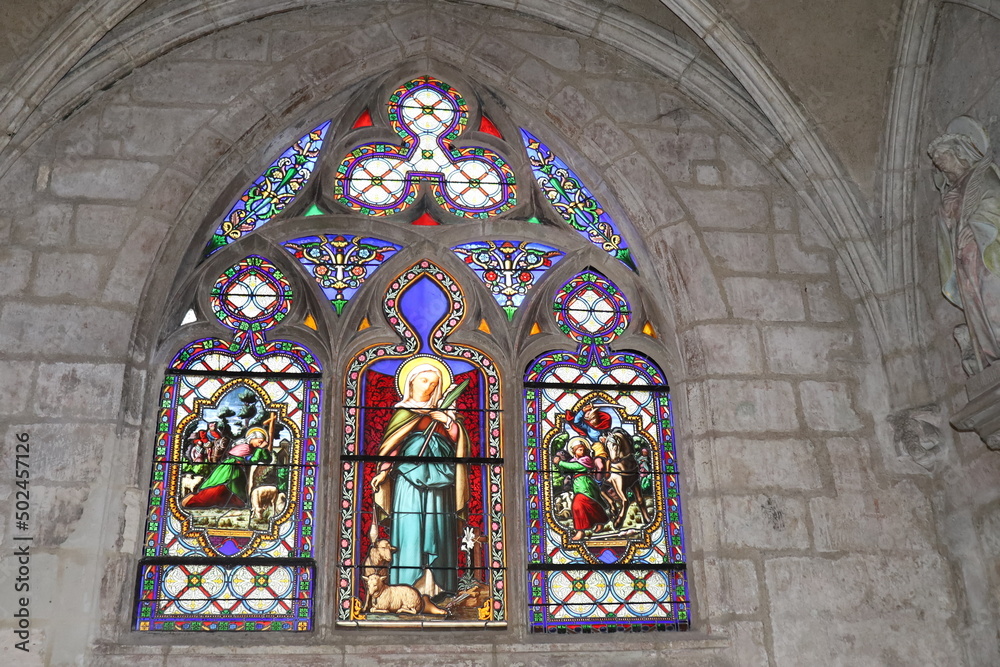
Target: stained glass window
{"type": "Point", "coordinates": [422, 521]}
{"type": "Point", "coordinates": [231, 525]}
{"type": "Point", "coordinates": [429, 116]}
{"type": "Point", "coordinates": [229, 543]}
{"type": "Point", "coordinates": [508, 268]}
{"type": "Point", "coordinates": [605, 535]}
{"type": "Point", "coordinates": [340, 264]}
{"type": "Point", "coordinates": [272, 191]}
{"type": "Point", "coordinates": [574, 202]}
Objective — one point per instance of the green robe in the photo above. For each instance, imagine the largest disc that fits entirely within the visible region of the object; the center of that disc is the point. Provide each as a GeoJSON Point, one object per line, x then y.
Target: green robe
{"type": "Point", "coordinates": [229, 472]}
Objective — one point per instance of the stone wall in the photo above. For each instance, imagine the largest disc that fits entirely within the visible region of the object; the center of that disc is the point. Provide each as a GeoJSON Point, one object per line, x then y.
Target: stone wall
{"type": "Point", "coordinates": [808, 542]}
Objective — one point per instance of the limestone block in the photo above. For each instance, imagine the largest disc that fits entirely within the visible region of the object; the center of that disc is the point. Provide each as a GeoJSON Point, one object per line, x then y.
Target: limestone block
{"type": "Point", "coordinates": [555, 51]}
{"type": "Point", "coordinates": [152, 131]}
{"type": "Point", "coordinates": [726, 349]}
{"type": "Point", "coordinates": [65, 452]}
{"type": "Point", "coordinates": [792, 259]}
{"type": "Point", "coordinates": [71, 274]}
{"type": "Point", "coordinates": [18, 184]}
{"type": "Point", "coordinates": [199, 49]}
{"type": "Point", "coordinates": [90, 391]}
{"type": "Point", "coordinates": [43, 568]}
{"type": "Point", "coordinates": [749, 644]}
{"type": "Point", "coordinates": [500, 54]}
{"type": "Point", "coordinates": [804, 350]}
{"type": "Point", "coordinates": [103, 179]}
{"type": "Point", "coordinates": [826, 303]}
{"type": "Point", "coordinates": [764, 522]}
{"type": "Point", "coordinates": [56, 512]}
{"type": "Point", "coordinates": [750, 406]}
{"type": "Point", "coordinates": [285, 44]}
{"type": "Point", "coordinates": [851, 464]}
{"type": "Point", "coordinates": [538, 78]}
{"type": "Point", "coordinates": [214, 82]}
{"type": "Point", "coordinates": [44, 225]}
{"type": "Point", "coordinates": [571, 109]}
{"type": "Point", "coordinates": [171, 189]}
{"type": "Point", "coordinates": [677, 114]}
{"type": "Point", "coordinates": [40, 329]}
{"type": "Point", "coordinates": [704, 524]}
{"type": "Point", "coordinates": [827, 406]}
{"type": "Point", "coordinates": [708, 174]}
{"type": "Point", "coordinates": [741, 169]}
{"type": "Point", "coordinates": [385, 656]}
{"type": "Point", "coordinates": [738, 251]}
{"type": "Point", "coordinates": [898, 518]}
{"type": "Point", "coordinates": [572, 658]}
{"type": "Point", "coordinates": [81, 138]}
{"type": "Point", "coordinates": [15, 270]}
{"type": "Point", "coordinates": [869, 610]}
{"type": "Point", "coordinates": [726, 209]}
{"type": "Point", "coordinates": [731, 586]}
{"type": "Point", "coordinates": [131, 267]}
{"type": "Point", "coordinates": [690, 281]}
{"type": "Point", "coordinates": [765, 299]}
{"type": "Point", "coordinates": [241, 44]}
{"type": "Point", "coordinates": [672, 152]}
{"type": "Point", "coordinates": [104, 226]}
{"type": "Point", "coordinates": [625, 101]}
{"type": "Point", "coordinates": [785, 214]}
{"type": "Point", "coordinates": [697, 407]}
{"type": "Point", "coordinates": [15, 387]}
{"type": "Point", "coordinates": [832, 588]}
{"type": "Point", "coordinates": [607, 141]}
{"type": "Point", "coordinates": [746, 465]}
{"type": "Point", "coordinates": [235, 118]}
{"type": "Point", "coordinates": [643, 193]}
{"type": "Point", "coordinates": [813, 234]}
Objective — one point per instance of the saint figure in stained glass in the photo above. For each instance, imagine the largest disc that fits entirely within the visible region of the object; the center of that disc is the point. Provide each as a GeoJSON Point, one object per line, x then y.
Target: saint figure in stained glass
{"type": "Point", "coordinates": [424, 496]}
{"type": "Point", "coordinates": [423, 484]}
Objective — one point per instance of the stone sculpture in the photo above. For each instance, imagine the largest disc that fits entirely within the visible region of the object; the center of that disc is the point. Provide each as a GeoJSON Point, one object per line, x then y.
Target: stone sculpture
{"type": "Point", "coordinates": [968, 243]}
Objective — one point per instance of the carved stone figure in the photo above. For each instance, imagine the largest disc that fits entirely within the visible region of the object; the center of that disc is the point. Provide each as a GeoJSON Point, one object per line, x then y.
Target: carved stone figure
{"type": "Point", "coordinates": [968, 231]}
{"type": "Point", "coordinates": [917, 434]}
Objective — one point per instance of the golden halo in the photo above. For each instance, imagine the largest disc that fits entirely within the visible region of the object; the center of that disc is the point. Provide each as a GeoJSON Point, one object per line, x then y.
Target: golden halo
{"type": "Point", "coordinates": [409, 364]}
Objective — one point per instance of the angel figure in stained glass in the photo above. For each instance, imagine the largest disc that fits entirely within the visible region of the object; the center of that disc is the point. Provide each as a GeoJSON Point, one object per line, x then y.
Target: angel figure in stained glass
{"type": "Point", "coordinates": [424, 497]}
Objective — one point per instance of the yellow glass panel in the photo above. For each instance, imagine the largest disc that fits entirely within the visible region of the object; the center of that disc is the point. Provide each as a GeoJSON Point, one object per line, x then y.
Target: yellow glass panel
{"type": "Point", "coordinates": [483, 326]}
{"type": "Point", "coordinates": [535, 329]}
{"type": "Point", "coordinates": [364, 324]}
{"type": "Point", "coordinates": [310, 322]}
{"type": "Point", "coordinates": [648, 329]}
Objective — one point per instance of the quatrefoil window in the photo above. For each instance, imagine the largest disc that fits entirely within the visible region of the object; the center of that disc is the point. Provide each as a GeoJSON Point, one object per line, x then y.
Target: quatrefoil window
{"type": "Point", "coordinates": [382, 179]}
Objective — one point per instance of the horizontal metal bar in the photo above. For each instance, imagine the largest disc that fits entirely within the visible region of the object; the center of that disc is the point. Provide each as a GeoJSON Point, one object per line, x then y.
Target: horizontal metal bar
{"type": "Point", "coordinates": [605, 567]}
{"type": "Point", "coordinates": [373, 458]}
{"type": "Point", "coordinates": [652, 388]}
{"type": "Point", "coordinates": [243, 374]}
{"type": "Point", "coordinates": [226, 561]}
